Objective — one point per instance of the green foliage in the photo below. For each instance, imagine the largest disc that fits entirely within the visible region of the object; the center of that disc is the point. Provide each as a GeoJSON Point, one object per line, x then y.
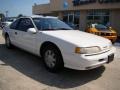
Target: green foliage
{"type": "Point", "coordinates": [2, 17]}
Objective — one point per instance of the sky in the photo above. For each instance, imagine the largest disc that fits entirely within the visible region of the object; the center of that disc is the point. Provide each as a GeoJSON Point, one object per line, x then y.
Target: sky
{"type": "Point", "coordinates": [16, 7]}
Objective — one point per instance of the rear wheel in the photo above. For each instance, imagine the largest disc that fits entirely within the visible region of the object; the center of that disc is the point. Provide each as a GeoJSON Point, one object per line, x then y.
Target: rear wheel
{"type": "Point", "coordinates": [8, 42]}
{"type": "Point", "coordinates": [113, 42]}
{"type": "Point", "coordinates": [52, 59]}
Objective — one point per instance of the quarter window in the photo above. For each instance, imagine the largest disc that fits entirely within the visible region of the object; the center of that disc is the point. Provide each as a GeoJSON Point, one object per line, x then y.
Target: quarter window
{"type": "Point", "coordinates": [14, 24]}
{"type": "Point", "coordinates": [25, 24]}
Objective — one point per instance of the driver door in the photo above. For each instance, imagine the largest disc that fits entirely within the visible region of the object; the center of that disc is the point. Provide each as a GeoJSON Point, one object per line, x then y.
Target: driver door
{"type": "Point", "coordinates": [27, 40]}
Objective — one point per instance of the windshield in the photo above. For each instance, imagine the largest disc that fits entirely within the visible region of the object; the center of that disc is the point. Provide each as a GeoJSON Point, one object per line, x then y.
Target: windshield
{"type": "Point", "coordinates": [50, 24]}
{"type": "Point", "coordinates": [101, 27]}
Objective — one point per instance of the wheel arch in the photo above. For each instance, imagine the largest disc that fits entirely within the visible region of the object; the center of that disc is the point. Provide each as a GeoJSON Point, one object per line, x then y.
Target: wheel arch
{"type": "Point", "coordinates": [47, 43]}
{"type": "Point", "coordinates": [6, 34]}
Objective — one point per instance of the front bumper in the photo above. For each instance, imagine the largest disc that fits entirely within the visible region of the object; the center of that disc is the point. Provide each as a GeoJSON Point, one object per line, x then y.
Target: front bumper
{"type": "Point", "coordinates": [86, 62]}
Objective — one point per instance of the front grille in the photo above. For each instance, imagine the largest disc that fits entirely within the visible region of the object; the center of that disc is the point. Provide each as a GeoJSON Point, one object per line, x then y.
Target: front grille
{"type": "Point", "coordinates": [105, 34]}
{"type": "Point", "coordinates": [97, 53]}
{"type": "Point", "coordinates": [108, 34]}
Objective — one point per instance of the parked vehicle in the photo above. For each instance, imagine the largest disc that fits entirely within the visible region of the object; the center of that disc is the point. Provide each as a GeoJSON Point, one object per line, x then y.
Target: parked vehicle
{"type": "Point", "coordinates": [0, 24]}
{"type": "Point", "coordinates": [5, 24]}
{"type": "Point", "coordinates": [58, 44]}
{"type": "Point", "coordinates": [102, 30]}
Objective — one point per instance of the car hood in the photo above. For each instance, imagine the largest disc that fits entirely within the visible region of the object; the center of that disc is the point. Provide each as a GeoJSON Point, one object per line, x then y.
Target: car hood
{"type": "Point", "coordinates": [79, 38]}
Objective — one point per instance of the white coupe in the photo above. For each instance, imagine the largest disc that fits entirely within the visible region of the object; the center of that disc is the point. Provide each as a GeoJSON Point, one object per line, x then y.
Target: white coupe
{"type": "Point", "coordinates": [58, 44]}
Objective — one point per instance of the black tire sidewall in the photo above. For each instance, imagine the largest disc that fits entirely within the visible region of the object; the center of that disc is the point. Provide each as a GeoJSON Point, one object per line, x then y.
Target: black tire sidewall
{"type": "Point", "coordinates": [59, 61]}
{"type": "Point", "coordinates": [8, 46]}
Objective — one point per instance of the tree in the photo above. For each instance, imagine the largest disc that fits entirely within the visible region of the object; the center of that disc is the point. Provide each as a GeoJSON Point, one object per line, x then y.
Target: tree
{"type": "Point", "coordinates": [20, 15]}
{"type": "Point", "coordinates": [2, 17]}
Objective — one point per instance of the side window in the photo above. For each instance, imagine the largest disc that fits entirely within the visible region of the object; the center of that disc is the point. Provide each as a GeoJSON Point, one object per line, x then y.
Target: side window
{"type": "Point", "coordinates": [14, 24]}
{"type": "Point", "coordinates": [25, 24]}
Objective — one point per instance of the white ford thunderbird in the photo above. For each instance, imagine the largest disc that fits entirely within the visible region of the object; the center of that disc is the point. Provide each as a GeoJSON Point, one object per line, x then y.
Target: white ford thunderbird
{"type": "Point", "coordinates": [58, 44]}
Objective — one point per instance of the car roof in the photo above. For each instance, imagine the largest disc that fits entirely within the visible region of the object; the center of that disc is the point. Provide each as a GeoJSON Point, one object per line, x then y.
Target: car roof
{"type": "Point", "coordinates": [39, 16]}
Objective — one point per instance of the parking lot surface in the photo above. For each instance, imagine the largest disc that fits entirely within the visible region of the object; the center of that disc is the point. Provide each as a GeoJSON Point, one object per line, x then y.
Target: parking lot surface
{"type": "Point", "coordinates": [20, 70]}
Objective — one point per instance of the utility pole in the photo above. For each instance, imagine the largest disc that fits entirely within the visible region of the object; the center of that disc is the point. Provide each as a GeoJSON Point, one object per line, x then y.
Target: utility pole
{"type": "Point", "coordinates": [6, 14]}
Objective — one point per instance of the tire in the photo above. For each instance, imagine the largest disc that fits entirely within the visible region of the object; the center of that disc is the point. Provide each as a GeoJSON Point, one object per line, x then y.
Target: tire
{"type": "Point", "coordinates": [52, 59]}
{"type": "Point", "coordinates": [113, 42]}
{"type": "Point", "coordinates": [8, 42]}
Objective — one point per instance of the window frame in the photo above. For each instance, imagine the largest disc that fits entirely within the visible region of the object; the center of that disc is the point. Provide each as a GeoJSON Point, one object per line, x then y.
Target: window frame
{"type": "Point", "coordinates": [17, 28]}
{"type": "Point", "coordinates": [17, 22]}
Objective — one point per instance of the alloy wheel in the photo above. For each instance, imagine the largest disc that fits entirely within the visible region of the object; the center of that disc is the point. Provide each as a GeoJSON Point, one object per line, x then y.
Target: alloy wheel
{"type": "Point", "coordinates": [50, 58]}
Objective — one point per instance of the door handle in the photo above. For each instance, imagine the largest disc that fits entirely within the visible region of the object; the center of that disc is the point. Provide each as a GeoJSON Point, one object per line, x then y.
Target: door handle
{"type": "Point", "coordinates": [15, 33]}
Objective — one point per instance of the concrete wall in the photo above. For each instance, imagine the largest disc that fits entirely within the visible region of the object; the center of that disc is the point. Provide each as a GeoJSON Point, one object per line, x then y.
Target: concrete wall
{"type": "Point", "coordinates": [57, 5]}
{"type": "Point", "coordinates": [83, 20]}
{"type": "Point", "coordinates": [115, 20]}
{"type": "Point", "coordinates": [41, 9]}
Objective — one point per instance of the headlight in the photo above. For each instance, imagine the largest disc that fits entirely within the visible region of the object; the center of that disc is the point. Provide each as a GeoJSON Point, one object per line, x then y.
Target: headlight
{"type": "Point", "coordinates": [87, 50]}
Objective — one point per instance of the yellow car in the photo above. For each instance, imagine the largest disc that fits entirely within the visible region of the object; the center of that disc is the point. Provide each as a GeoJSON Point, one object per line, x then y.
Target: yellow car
{"type": "Point", "coordinates": [101, 30]}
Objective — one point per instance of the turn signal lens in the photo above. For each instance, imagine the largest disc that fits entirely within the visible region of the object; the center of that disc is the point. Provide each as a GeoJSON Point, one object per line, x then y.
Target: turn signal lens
{"type": "Point", "coordinates": [77, 50]}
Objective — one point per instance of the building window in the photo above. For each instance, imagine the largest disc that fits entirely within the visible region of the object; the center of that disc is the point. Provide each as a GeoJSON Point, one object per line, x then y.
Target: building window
{"type": "Point", "coordinates": [98, 16]}
{"type": "Point", "coordinates": [65, 18]}
{"type": "Point", "coordinates": [72, 19]}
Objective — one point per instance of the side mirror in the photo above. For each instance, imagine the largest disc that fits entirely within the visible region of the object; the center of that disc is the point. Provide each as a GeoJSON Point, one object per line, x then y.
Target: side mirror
{"type": "Point", "coordinates": [32, 30]}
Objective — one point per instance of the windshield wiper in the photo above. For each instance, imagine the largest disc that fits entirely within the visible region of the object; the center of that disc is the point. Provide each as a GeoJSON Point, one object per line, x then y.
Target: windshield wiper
{"type": "Point", "coordinates": [56, 29]}
{"type": "Point", "coordinates": [63, 29]}
{"type": "Point", "coordinates": [48, 29]}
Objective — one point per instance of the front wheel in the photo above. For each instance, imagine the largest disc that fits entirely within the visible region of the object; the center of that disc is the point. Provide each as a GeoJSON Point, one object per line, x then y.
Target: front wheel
{"type": "Point", "coordinates": [52, 59]}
